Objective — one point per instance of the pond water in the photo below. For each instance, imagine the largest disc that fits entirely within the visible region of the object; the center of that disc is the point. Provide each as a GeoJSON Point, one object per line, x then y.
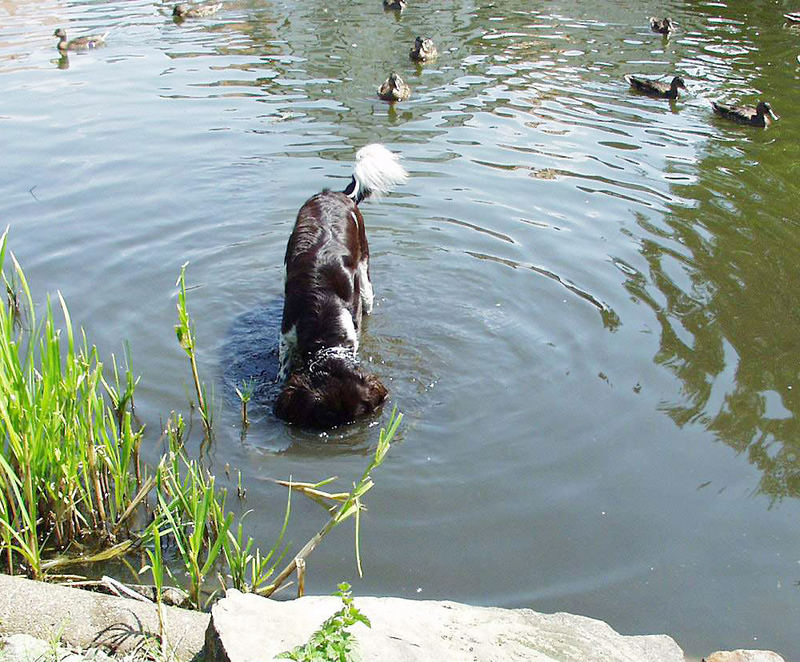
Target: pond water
{"type": "Point", "coordinates": [587, 299]}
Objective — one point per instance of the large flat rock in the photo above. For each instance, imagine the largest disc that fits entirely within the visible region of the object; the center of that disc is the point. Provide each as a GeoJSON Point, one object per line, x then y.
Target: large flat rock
{"type": "Point", "coordinates": [248, 628]}
{"type": "Point", "coordinates": [83, 619]}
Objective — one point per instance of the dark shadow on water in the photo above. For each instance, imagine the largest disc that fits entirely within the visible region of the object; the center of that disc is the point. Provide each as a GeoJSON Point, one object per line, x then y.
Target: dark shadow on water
{"type": "Point", "coordinates": [250, 356]}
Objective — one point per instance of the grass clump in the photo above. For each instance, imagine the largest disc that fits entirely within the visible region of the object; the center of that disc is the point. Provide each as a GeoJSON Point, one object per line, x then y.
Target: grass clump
{"type": "Point", "coordinates": [68, 461]}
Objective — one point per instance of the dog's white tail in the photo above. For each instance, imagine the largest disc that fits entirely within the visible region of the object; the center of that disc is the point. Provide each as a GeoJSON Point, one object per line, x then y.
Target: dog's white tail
{"type": "Point", "coordinates": [376, 172]}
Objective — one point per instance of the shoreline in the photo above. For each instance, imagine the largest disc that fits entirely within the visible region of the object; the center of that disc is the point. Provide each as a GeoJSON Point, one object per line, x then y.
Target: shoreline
{"type": "Point", "coordinates": [244, 627]}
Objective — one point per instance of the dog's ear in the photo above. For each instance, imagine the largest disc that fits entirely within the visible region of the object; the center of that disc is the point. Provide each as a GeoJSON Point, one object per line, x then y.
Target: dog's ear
{"type": "Point", "coordinates": [296, 402]}
{"type": "Point", "coordinates": [376, 391]}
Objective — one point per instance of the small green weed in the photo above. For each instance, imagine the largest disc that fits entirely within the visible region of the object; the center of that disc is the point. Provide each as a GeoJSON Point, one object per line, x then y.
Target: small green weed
{"type": "Point", "coordinates": [332, 642]}
{"type": "Point", "coordinates": [245, 393]}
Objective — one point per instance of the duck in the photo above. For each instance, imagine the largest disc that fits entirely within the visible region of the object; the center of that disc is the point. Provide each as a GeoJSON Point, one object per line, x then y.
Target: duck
{"type": "Point", "coordinates": [762, 115]}
{"type": "Point", "coordinates": [394, 89]}
{"type": "Point", "coordinates": [793, 17]}
{"type": "Point", "coordinates": [182, 10]}
{"type": "Point", "coordinates": [79, 43]}
{"type": "Point", "coordinates": [395, 5]}
{"type": "Point", "coordinates": [662, 25]}
{"type": "Point", "coordinates": [423, 50]}
{"type": "Point", "coordinates": [657, 88]}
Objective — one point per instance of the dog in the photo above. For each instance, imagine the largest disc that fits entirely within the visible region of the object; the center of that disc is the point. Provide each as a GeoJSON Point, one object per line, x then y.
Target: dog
{"type": "Point", "coordinates": [327, 291]}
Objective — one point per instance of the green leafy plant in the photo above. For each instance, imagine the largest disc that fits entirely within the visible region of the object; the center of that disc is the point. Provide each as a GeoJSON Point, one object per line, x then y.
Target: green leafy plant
{"type": "Point", "coordinates": [332, 642]}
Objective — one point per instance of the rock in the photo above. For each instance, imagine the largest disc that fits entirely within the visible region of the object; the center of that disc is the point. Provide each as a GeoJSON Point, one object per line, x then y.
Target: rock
{"type": "Point", "coordinates": [22, 647]}
{"type": "Point", "coordinates": [742, 655]}
{"type": "Point", "coordinates": [25, 648]}
{"type": "Point", "coordinates": [84, 619]}
{"type": "Point", "coordinates": [248, 628]}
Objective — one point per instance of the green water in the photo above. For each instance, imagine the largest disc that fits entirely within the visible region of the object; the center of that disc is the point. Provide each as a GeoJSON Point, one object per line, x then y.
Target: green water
{"type": "Point", "coordinates": [586, 298]}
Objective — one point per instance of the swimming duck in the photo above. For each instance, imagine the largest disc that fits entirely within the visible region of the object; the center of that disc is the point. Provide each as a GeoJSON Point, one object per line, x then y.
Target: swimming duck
{"type": "Point", "coordinates": [394, 89]}
{"type": "Point", "coordinates": [761, 115]}
{"type": "Point", "coordinates": [396, 5]}
{"type": "Point", "coordinates": [662, 25]}
{"type": "Point", "coordinates": [657, 88]}
{"type": "Point", "coordinates": [423, 50]}
{"type": "Point", "coordinates": [182, 10]}
{"type": "Point", "coordinates": [79, 43]}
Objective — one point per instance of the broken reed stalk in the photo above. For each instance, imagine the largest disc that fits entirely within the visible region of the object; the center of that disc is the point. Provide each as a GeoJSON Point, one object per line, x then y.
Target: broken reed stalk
{"type": "Point", "coordinates": [301, 576]}
{"type": "Point", "coordinates": [351, 506]}
{"type": "Point", "coordinates": [292, 566]}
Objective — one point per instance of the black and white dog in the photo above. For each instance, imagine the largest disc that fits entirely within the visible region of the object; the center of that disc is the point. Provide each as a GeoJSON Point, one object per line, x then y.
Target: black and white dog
{"type": "Point", "coordinates": [327, 291]}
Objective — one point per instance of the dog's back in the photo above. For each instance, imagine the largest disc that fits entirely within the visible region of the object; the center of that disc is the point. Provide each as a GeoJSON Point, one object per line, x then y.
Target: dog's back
{"type": "Point", "coordinates": [322, 278]}
{"type": "Point", "coordinates": [327, 291]}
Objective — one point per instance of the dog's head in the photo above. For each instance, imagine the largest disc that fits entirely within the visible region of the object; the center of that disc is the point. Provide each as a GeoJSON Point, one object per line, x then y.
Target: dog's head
{"type": "Point", "coordinates": [335, 391]}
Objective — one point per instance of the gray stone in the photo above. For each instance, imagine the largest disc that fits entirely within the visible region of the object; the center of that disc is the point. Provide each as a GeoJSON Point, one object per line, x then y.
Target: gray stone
{"type": "Point", "coordinates": [84, 620]}
{"type": "Point", "coordinates": [23, 648]}
{"type": "Point", "coordinates": [742, 655]}
{"type": "Point", "coordinates": [247, 628]}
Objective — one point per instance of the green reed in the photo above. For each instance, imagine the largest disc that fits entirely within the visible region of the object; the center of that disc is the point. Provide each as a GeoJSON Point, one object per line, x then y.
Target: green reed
{"type": "Point", "coordinates": [65, 465]}
{"type": "Point", "coordinates": [185, 332]}
{"type": "Point", "coordinates": [351, 506]}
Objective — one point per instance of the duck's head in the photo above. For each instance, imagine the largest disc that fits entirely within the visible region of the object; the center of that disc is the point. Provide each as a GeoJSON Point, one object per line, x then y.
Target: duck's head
{"type": "Point", "coordinates": [180, 10]}
{"type": "Point", "coordinates": [678, 82]}
{"type": "Point", "coordinates": [394, 89]}
{"type": "Point", "coordinates": [395, 82]}
{"type": "Point", "coordinates": [423, 48]}
{"type": "Point", "coordinates": [662, 25]}
{"type": "Point", "coordinates": [763, 108]}
{"type": "Point", "coordinates": [60, 33]}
